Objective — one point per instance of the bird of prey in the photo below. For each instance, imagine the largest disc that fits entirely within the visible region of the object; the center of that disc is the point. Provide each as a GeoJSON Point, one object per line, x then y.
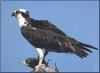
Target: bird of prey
{"type": "Point", "coordinates": [46, 37]}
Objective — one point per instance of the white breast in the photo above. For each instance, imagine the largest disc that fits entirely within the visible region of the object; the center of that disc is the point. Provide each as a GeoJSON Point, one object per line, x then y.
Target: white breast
{"type": "Point", "coordinates": [22, 21]}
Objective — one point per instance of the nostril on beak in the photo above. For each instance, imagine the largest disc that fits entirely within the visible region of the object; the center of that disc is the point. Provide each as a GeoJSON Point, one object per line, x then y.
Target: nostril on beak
{"type": "Point", "coordinates": [13, 14]}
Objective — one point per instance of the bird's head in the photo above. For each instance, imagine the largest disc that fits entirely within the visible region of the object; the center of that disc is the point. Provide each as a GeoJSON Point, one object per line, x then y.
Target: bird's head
{"type": "Point", "coordinates": [22, 16]}
{"type": "Point", "coordinates": [20, 13]}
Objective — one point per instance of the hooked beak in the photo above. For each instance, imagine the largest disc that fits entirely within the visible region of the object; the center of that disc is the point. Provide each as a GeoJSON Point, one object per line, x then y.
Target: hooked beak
{"type": "Point", "coordinates": [13, 14]}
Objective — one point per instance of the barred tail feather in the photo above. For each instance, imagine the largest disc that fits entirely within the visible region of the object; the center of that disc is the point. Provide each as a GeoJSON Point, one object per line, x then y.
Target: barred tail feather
{"type": "Point", "coordinates": [85, 48]}
{"type": "Point", "coordinates": [82, 50]}
{"type": "Point", "coordinates": [88, 46]}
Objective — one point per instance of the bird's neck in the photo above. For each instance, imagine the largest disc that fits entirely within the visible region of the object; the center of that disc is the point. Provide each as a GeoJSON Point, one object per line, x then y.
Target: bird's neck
{"type": "Point", "coordinates": [22, 21]}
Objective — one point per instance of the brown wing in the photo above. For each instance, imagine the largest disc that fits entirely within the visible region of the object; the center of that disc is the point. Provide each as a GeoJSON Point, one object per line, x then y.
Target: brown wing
{"type": "Point", "coordinates": [46, 25]}
{"type": "Point", "coordinates": [54, 42]}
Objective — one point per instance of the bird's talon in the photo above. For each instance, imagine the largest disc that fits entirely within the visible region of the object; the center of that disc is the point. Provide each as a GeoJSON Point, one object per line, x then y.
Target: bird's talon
{"type": "Point", "coordinates": [37, 67]}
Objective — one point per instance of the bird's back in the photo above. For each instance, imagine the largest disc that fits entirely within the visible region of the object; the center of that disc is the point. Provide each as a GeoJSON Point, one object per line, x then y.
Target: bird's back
{"type": "Point", "coordinates": [46, 25]}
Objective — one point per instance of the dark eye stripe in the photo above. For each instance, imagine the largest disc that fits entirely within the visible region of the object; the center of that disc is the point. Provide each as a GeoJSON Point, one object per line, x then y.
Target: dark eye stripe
{"type": "Point", "coordinates": [24, 15]}
{"type": "Point", "coordinates": [17, 12]}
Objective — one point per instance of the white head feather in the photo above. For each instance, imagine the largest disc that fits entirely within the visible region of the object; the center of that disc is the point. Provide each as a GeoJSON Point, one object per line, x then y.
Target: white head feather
{"type": "Point", "coordinates": [21, 20]}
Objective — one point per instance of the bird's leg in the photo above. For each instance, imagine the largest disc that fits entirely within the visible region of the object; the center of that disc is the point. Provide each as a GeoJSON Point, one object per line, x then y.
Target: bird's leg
{"type": "Point", "coordinates": [41, 57]}
{"type": "Point", "coordinates": [45, 53]}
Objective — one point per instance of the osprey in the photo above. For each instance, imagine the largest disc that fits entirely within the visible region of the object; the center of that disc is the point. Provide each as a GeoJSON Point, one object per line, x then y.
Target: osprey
{"type": "Point", "coordinates": [46, 37]}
